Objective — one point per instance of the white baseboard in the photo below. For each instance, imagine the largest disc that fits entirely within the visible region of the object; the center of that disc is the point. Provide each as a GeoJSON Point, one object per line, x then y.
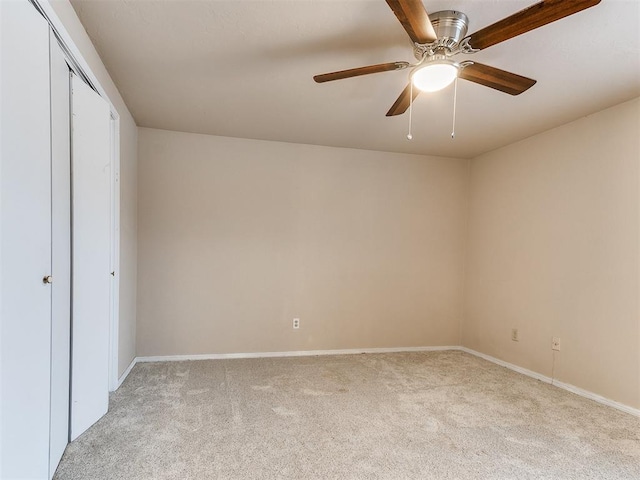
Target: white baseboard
{"type": "Point", "coordinates": [565, 386]}
{"type": "Point", "coordinates": [126, 373]}
{"type": "Point", "coordinates": [302, 353]}
{"type": "Point", "coordinates": [597, 398]}
{"type": "Point", "coordinates": [510, 366]}
{"type": "Point", "coordinates": [353, 351]}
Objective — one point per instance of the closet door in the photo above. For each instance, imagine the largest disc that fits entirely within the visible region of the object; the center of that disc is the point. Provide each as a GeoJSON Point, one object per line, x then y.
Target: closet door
{"type": "Point", "coordinates": [25, 242]}
{"type": "Point", "coordinates": [91, 220]}
{"type": "Point", "coordinates": [61, 253]}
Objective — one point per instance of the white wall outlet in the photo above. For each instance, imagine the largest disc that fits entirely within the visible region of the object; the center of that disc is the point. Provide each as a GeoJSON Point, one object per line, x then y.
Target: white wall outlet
{"type": "Point", "coordinates": [515, 335]}
{"type": "Point", "coordinates": [555, 343]}
{"type": "Point", "coordinates": [296, 323]}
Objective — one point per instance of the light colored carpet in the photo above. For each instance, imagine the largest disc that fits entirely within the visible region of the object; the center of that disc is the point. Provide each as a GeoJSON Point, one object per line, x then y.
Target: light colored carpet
{"type": "Point", "coordinates": [440, 415]}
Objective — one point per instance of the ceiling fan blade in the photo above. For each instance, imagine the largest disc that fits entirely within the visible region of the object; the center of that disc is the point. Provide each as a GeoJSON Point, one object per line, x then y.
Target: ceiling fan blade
{"type": "Point", "coordinates": [356, 72]}
{"type": "Point", "coordinates": [402, 103]}
{"type": "Point", "coordinates": [526, 20]}
{"type": "Point", "coordinates": [415, 20]}
{"type": "Point", "coordinates": [495, 78]}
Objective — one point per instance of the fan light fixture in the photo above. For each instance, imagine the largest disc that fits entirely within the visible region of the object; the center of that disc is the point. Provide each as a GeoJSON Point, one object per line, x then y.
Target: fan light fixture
{"type": "Point", "coordinates": [435, 76]}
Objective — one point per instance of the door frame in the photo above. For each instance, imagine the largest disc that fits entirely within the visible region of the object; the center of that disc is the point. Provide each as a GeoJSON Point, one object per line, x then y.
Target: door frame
{"type": "Point", "coordinates": [114, 290]}
{"type": "Point", "coordinates": [80, 67]}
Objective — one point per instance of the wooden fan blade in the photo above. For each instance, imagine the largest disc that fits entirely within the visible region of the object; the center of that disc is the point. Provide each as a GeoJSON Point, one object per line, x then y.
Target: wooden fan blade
{"type": "Point", "coordinates": [403, 101]}
{"type": "Point", "coordinates": [415, 20]}
{"type": "Point", "coordinates": [356, 72]}
{"type": "Point", "coordinates": [495, 78]}
{"type": "Point", "coordinates": [526, 20]}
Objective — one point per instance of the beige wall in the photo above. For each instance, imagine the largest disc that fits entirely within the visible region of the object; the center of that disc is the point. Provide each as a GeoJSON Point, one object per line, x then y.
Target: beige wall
{"type": "Point", "coordinates": [128, 183]}
{"type": "Point", "coordinates": [237, 237]}
{"type": "Point", "coordinates": [554, 250]}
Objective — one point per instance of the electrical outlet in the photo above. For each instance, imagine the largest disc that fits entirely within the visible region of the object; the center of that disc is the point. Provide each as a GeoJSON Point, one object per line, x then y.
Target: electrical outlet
{"type": "Point", "coordinates": [555, 343]}
{"type": "Point", "coordinates": [296, 323]}
{"type": "Point", "coordinates": [515, 335]}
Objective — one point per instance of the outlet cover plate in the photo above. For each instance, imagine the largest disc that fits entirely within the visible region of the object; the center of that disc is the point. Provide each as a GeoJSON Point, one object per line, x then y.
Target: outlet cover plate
{"type": "Point", "coordinates": [555, 344]}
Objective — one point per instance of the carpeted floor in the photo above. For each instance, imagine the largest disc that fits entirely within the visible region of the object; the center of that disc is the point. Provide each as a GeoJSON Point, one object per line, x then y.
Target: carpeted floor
{"type": "Point", "coordinates": [436, 415]}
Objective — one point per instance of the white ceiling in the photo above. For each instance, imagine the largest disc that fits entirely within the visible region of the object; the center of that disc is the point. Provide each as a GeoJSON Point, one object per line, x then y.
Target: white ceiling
{"type": "Point", "coordinates": [245, 68]}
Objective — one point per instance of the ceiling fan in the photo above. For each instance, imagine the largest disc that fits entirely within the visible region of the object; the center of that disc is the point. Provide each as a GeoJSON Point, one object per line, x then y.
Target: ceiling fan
{"type": "Point", "coordinates": [439, 37]}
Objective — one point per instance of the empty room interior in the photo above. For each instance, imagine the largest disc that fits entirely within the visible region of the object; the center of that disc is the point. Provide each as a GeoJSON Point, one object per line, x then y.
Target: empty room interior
{"type": "Point", "coordinates": [319, 239]}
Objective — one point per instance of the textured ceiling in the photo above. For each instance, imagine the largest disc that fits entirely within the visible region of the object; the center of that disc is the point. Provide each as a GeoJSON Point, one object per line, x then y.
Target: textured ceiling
{"type": "Point", "coordinates": [245, 68]}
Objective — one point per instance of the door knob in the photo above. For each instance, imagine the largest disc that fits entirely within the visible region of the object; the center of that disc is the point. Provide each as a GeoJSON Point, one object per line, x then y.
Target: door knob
{"type": "Point", "coordinates": [47, 279]}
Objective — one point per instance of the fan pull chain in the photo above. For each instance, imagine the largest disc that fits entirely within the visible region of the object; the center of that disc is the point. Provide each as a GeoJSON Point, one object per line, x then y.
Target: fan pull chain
{"type": "Point", "coordinates": [455, 101]}
{"type": "Point", "coordinates": [409, 136]}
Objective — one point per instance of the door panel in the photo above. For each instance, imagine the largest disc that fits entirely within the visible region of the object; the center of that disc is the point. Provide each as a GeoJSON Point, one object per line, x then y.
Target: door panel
{"type": "Point", "coordinates": [61, 253]}
{"type": "Point", "coordinates": [91, 218]}
{"type": "Point", "coordinates": [25, 242]}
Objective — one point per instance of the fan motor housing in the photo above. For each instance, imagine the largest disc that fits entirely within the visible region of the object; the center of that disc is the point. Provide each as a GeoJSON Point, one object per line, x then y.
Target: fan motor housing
{"type": "Point", "coordinates": [450, 26]}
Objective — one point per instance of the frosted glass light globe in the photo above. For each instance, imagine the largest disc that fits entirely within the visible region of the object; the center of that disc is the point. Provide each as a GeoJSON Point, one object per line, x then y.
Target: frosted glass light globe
{"type": "Point", "coordinates": [434, 77]}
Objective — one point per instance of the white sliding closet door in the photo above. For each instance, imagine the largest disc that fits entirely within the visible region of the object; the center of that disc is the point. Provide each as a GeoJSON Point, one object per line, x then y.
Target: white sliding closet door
{"type": "Point", "coordinates": [60, 253]}
{"type": "Point", "coordinates": [91, 220]}
{"type": "Point", "coordinates": [25, 242]}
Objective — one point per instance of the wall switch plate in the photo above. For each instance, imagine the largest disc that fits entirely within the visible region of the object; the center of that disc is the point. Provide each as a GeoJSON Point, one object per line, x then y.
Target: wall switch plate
{"type": "Point", "coordinates": [296, 323]}
{"type": "Point", "coordinates": [515, 335]}
{"type": "Point", "coordinates": [555, 343]}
